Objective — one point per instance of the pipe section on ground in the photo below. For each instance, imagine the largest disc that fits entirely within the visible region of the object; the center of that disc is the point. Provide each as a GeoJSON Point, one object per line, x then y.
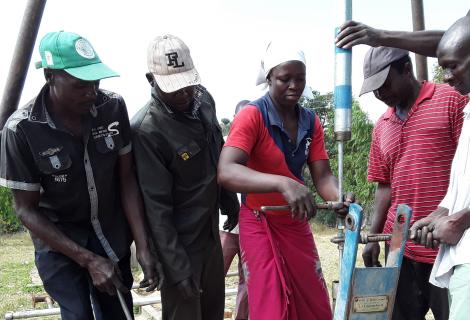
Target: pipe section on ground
{"type": "Point", "coordinates": [139, 302]}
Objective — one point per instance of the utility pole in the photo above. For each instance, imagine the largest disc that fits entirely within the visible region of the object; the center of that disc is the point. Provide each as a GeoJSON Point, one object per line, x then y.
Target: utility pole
{"type": "Point", "coordinates": [417, 12]}
{"type": "Point", "coordinates": [21, 58]}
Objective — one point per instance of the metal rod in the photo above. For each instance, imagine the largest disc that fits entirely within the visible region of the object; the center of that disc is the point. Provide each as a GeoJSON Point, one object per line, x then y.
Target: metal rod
{"type": "Point", "coordinates": [340, 170]}
{"type": "Point", "coordinates": [56, 311]}
{"type": "Point", "coordinates": [340, 221]}
{"type": "Point", "coordinates": [417, 13]}
{"type": "Point", "coordinates": [31, 314]}
{"type": "Point", "coordinates": [329, 205]}
{"type": "Point", "coordinates": [124, 305]}
{"type": "Point", "coordinates": [366, 238]}
{"type": "Point", "coordinates": [21, 58]}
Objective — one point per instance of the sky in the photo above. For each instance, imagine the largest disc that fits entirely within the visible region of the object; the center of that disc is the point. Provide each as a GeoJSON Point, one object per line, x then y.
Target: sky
{"type": "Point", "coordinates": [226, 39]}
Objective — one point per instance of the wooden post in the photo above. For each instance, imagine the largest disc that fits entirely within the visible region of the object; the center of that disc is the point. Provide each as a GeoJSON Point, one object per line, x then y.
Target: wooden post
{"type": "Point", "coordinates": [417, 12]}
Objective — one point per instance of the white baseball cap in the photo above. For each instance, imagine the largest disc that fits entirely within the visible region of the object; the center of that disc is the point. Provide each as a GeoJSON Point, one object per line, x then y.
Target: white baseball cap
{"type": "Point", "coordinates": [169, 60]}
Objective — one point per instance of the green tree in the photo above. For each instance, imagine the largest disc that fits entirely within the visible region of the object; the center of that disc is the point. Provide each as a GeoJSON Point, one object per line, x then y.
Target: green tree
{"type": "Point", "coordinates": [9, 222]}
{"type": "Point", "coordinates": [437, 74]}
{"type": "Point", "coordinates": [356, 151]}
{"type": "Point", "coordinates": [225, 125]}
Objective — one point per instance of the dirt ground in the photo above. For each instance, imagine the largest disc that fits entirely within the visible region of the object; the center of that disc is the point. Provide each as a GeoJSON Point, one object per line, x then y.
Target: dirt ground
{"type": "Point", "coordinates": [17, 266]}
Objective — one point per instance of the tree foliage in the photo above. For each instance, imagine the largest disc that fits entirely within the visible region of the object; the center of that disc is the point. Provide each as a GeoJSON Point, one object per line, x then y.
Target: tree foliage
{"type": "Point", "coordinates": [225, 125]}
{"type": "Point", "coordinates": [355, 155]}
{"type": "Point", "coordinates": [9, 222]}
{"type": "Point", "coordinates": [437, 74]}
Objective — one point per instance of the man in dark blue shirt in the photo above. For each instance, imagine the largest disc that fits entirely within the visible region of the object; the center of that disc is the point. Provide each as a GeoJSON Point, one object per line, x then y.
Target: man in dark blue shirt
{"type": "Point", "coordinates": [67, 157]}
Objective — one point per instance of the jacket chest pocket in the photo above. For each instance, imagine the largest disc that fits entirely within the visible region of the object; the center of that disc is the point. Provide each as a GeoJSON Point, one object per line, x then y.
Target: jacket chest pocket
{"type": "Point", "coordinates": [190, 163]}
{"type": "Point", "coordinates": [187, 152]}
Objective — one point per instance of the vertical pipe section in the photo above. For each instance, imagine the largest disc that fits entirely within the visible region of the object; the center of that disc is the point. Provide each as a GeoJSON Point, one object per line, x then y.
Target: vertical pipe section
{"type": "Point", "coordinates": [342, 102]}
{"type": "Point", "coordinates": [343, 91]}
{"type": "Point", "coordinates": [21, 58]}
{"type": "Point", "coordinates": [417, 13]}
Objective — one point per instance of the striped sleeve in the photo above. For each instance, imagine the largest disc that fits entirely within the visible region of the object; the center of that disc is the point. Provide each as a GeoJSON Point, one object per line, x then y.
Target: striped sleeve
{"type": "Point", "coordinates": [457, 104]}
{"type": "Point", "coordinates": [377, 169]}
{"type": "Point", "coordinates": [18, 169]}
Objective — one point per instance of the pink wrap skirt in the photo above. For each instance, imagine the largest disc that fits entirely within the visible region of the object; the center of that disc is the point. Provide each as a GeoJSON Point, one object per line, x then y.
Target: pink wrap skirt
{"type": "Point", "coordinates": [282, 268]}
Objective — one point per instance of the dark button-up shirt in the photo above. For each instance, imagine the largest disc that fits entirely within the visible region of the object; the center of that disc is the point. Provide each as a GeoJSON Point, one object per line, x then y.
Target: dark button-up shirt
{"type": "Point", "coordinates": [77, 177]}
{"type": "Point", "coordinates": [176, 157]}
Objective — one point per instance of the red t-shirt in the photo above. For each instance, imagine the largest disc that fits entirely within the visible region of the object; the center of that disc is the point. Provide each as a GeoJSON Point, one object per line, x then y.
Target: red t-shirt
{"type": "Point", "coordinates": [257, 130]}
{"type": "Point", "coordinates": [415, 155]}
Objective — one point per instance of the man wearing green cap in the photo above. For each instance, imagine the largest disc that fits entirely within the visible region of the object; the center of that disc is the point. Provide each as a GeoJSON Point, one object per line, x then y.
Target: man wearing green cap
{"type": "Point", "coordinates": [64, 155]}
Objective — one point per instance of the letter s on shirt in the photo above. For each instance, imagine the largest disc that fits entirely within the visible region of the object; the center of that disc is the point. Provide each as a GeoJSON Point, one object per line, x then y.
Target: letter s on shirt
{"type": "Point", "coordinates": [111, 129]}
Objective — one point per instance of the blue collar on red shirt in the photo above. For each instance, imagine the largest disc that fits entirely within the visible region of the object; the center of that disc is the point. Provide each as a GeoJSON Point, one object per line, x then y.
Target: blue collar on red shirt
{"type": "Point", "coordinates": [295, 155]}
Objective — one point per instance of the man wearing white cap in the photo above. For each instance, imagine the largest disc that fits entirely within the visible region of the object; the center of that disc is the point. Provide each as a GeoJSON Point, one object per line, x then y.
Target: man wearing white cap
{"type": "Point", "coordinates": [177, 141]}
{"type": "Point", "coordinates": [67, 157]}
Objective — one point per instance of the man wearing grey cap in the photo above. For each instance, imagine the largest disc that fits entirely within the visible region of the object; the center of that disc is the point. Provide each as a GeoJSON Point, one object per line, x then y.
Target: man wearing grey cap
{"type": "Point", "coordinates": [177, 142]}
{"type": "Point", "coordinates": [410, 158]}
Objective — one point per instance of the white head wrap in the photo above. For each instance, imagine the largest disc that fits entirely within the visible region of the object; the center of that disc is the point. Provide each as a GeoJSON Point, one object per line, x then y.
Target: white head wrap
{"type": "Point", "coordinates": [276, 53]}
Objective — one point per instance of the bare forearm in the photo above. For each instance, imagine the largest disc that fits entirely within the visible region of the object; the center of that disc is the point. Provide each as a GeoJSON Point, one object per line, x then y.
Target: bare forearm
{"type": "Point", "coordinates": [134, 211]}
{"type": "Point", "coordinates": [325, 182]}
{"type": "Point", "coordinates": [463, 218]}
{"type": "Point", "coordinates": [239, 178]}
{"type": "Point", "coordinates": [48, 233]}
{"type": "Point", "coordinates": [421, 42]}
{"type": "Point", "coordinates": [381, 205]}
{"type": "Point", "coordinates": [439, 212]}
{"type": "Point", "coordinates": [327, 188]}
{"type": "Point", "coordinates": [132, 201]}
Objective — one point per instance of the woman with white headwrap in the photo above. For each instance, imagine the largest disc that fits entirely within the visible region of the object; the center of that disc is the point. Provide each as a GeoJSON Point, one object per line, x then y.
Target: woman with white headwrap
{"type": "Point", "coordinates": [269, 143]}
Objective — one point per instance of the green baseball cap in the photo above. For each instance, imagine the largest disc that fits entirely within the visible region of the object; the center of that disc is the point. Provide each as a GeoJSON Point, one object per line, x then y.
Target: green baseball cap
{"type": "Point", "coordinates": [74, 54]}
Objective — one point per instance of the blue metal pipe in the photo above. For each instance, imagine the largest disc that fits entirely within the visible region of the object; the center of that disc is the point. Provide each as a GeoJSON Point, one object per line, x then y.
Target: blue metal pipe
{"type": "Point", "coordinates": [343, 92]}
{"type": "Point", "coordinates": [343, 105]}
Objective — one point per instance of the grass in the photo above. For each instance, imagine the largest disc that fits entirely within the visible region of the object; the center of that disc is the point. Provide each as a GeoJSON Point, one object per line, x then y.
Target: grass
{"type": "Point", "coordinates": [329, 254]}
{"type": "Point", "coordinates": [17, 261]}
{"type": "Point", "coordinates": [16, 265]}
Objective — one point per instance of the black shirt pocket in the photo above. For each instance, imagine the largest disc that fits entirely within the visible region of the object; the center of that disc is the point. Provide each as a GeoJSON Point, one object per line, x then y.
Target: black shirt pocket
{"type": "Point", "coordinates": [109, 144]}
{"type": "Point", "coordinates": [190, 163]}
{"type": "Point", "coordinates": [53, 163]}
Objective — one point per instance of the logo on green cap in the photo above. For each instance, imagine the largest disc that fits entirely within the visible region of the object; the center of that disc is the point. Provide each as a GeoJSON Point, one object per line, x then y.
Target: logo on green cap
{"type": "Point", "coordinates": [84, 49]}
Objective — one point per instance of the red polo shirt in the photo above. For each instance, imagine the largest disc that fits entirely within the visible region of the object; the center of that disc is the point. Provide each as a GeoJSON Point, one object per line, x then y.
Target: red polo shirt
{"type": "Point", "coordinates": [415, 155]}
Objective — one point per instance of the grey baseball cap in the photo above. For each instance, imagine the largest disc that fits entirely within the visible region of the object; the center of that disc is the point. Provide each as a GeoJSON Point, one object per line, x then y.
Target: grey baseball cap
{"type": "Point", "coordinates": [377, 65]}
